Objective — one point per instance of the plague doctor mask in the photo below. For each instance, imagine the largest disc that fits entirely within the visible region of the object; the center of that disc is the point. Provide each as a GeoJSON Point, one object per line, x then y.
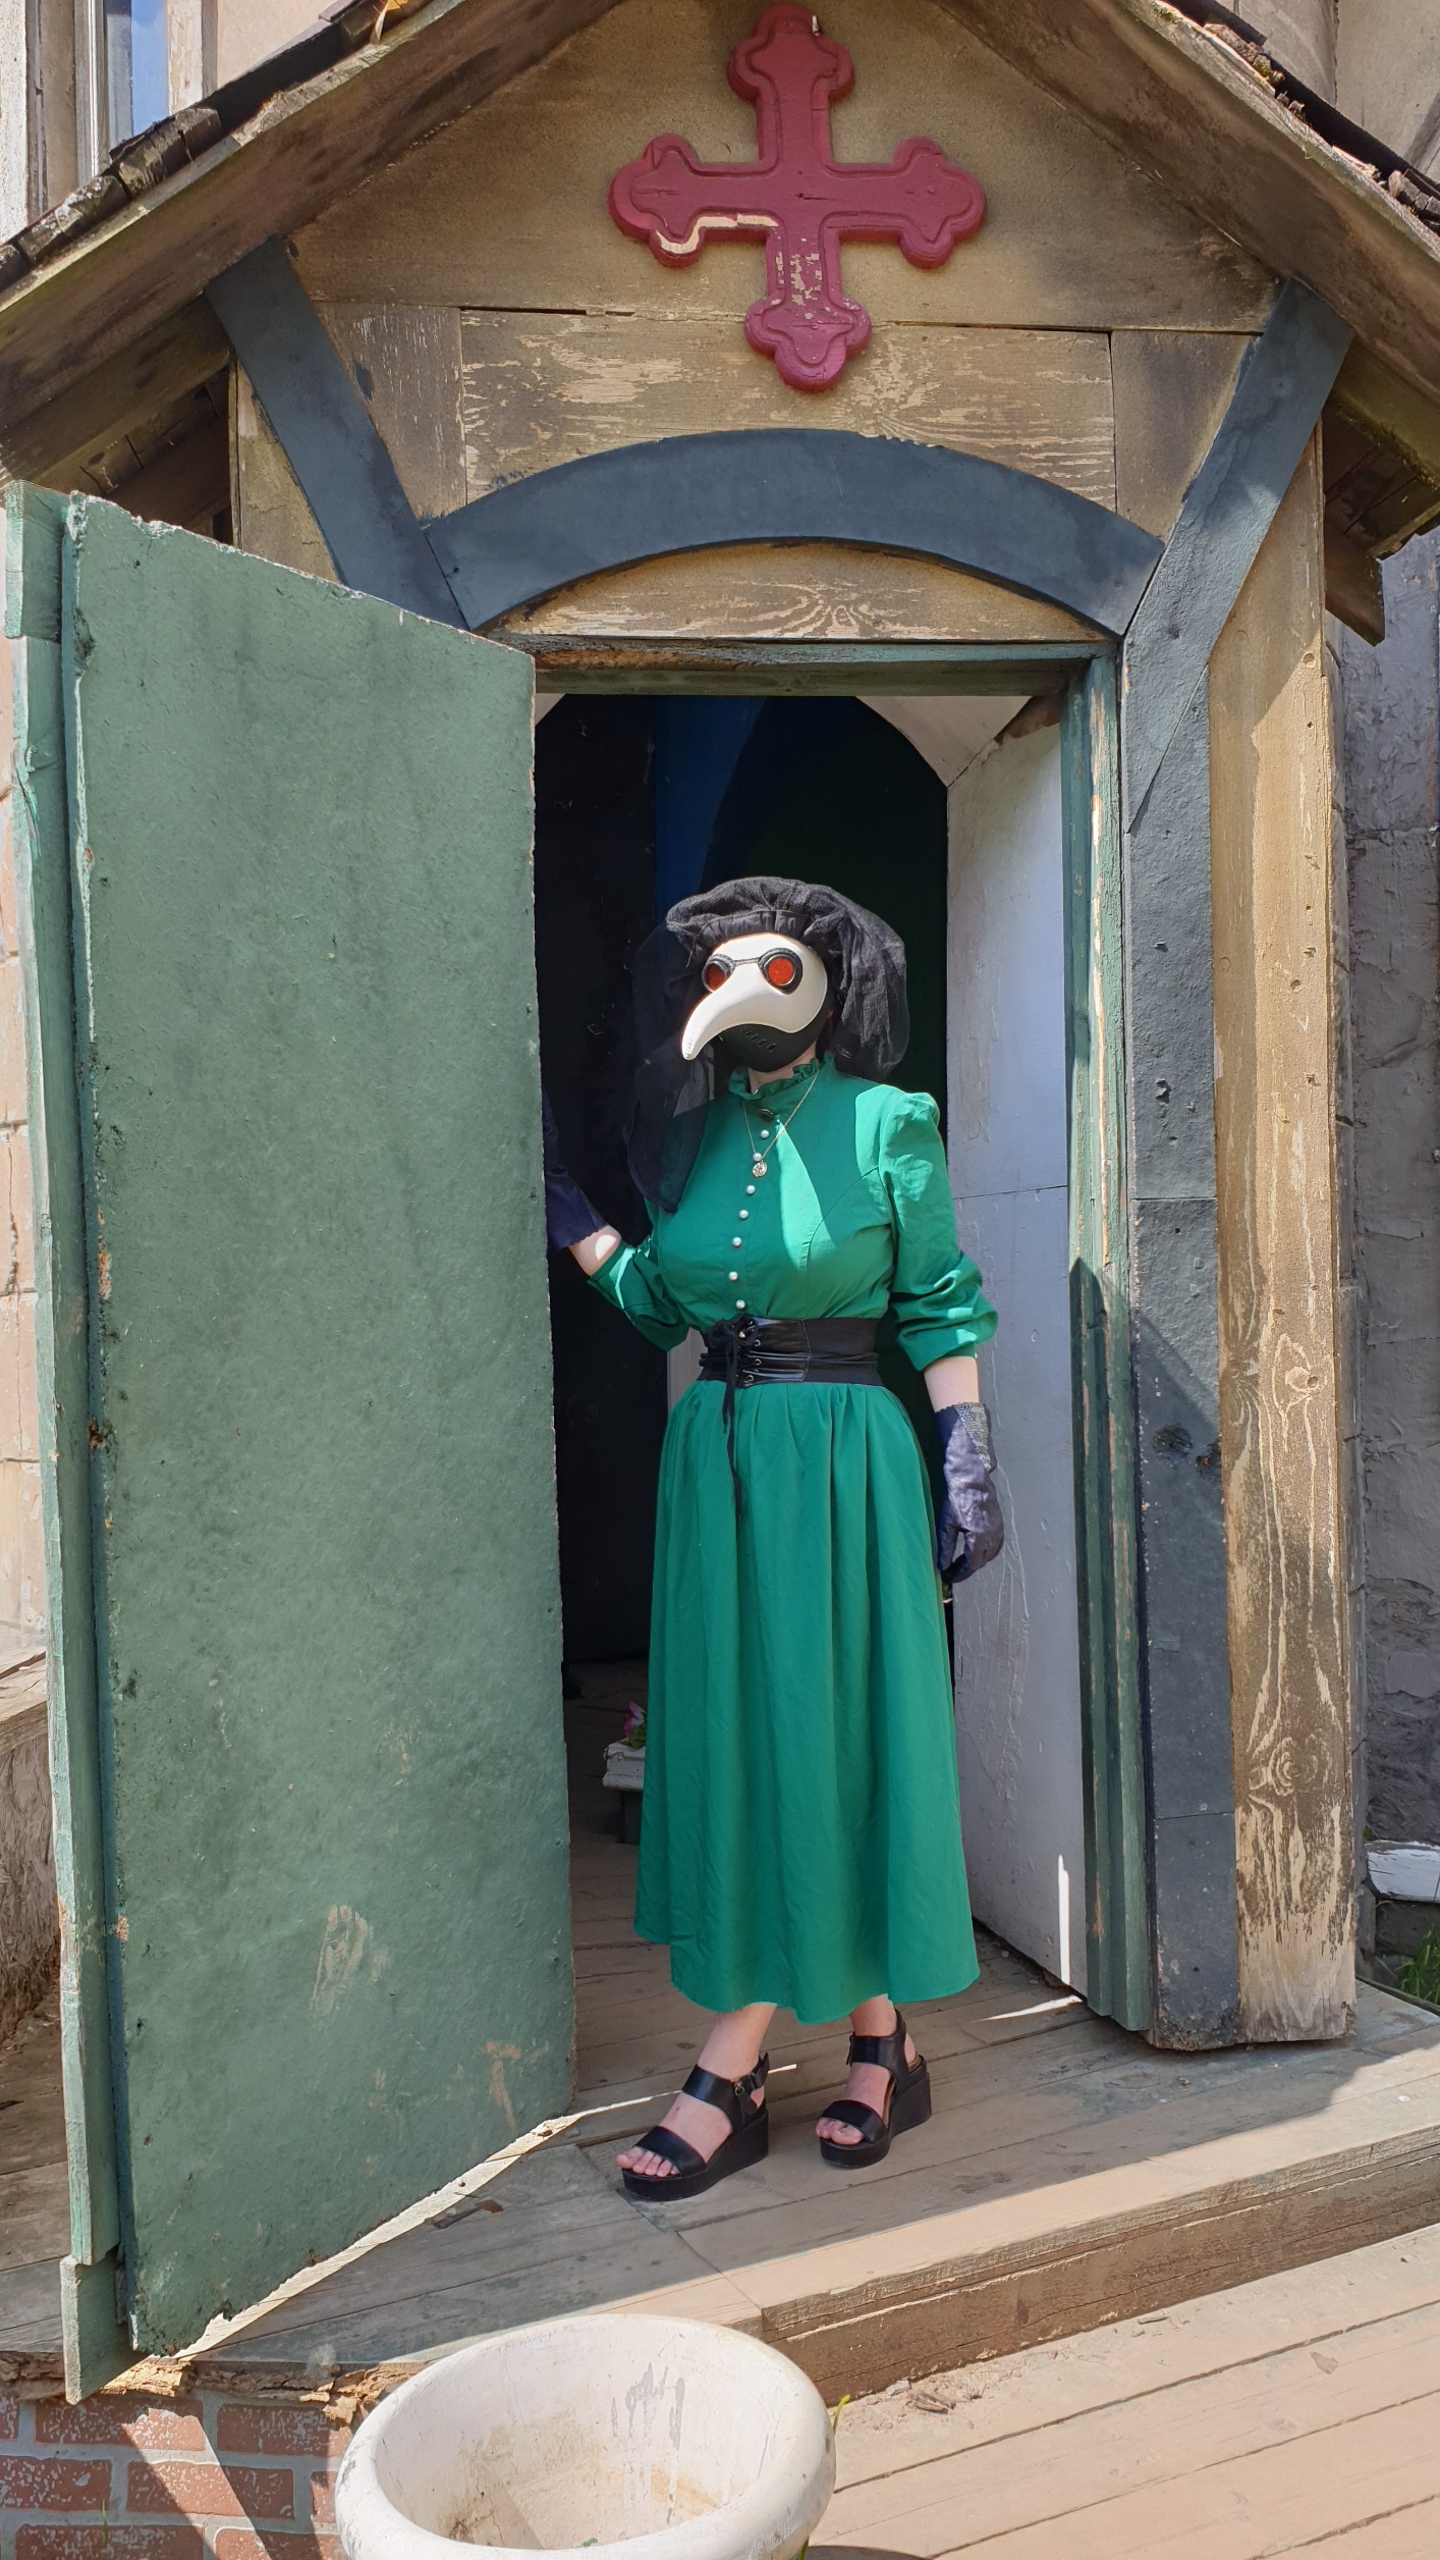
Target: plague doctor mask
{"type": "Point", "coordinates": [767, 997]}
{"type": "Point", "coordinates": [748, 973]}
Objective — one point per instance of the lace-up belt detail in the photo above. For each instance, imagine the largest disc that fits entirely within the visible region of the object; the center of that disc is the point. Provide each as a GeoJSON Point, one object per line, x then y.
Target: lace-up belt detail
{"type": "Point", "coordinates": [752, 1351]}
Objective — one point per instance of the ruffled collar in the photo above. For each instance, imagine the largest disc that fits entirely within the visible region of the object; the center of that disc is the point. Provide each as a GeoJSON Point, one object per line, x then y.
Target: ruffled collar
{"type": "Point", "coordinates": [780, 1089]}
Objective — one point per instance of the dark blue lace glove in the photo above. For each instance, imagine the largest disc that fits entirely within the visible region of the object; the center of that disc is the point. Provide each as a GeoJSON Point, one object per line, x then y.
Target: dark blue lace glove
{"type": "Point", "coordinates": [969, 1531]}
{"type": "Point", "coordinates": [569, 1217]}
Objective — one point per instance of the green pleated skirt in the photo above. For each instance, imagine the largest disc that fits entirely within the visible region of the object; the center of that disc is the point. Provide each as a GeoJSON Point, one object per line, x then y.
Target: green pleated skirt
{"type": "Point", "coordinates": [801, 1832]}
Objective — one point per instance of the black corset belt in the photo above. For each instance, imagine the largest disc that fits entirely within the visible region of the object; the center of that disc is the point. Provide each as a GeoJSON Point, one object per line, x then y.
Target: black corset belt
{"type": "Point", "coordinates": [752, 1351]}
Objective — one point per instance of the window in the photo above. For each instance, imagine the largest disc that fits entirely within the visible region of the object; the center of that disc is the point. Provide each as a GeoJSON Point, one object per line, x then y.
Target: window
{"type": "Point", "coordinates": [137, 66]}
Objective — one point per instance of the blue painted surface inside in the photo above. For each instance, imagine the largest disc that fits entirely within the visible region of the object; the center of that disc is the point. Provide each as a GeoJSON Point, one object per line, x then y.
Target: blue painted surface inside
{"type": "Point", "coordinates": [699, 739]}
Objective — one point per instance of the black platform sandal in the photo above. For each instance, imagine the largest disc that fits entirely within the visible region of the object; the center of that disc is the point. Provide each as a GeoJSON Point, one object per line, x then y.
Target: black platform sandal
{"type": "Point", "coordinates": [747, 2141]}
{"type": "Point", "coordinates": [909, 2101]}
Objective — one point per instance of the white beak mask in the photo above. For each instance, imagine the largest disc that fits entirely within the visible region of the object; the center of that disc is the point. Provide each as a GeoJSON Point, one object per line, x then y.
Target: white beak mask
{"type": "Point", "coordinates": [766, 997]}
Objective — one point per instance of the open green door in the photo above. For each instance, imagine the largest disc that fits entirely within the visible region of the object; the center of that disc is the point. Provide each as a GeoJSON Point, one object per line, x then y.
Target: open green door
{"type": "Point", "coordinates": [295, 1373]}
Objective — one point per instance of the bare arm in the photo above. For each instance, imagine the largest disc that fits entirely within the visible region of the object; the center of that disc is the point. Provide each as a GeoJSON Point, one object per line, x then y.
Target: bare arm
{"type": "Point", "coordinates": [591, 1251]}
{"type": "Point", "coordinates": [952, 1381]}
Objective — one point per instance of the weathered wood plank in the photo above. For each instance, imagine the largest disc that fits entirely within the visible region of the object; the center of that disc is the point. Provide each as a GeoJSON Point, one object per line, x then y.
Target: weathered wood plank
{"type": "Point", "coordinates": [53, 444]}
{"type": "Point", "coordinates": [331, 441]}
{"type": "Point", "coordinates": [272, 514]}
{"type": "Point", "coordinates": [507, 210]}
{"type": "Point", "coordinates": [1280, 1423]}
{"type": "Point", "coordinates": [1107, 1564]}
{"type": "Point", "coordinates": [188, 484]}
{"type": "Point", "coordinates": [1209, 128]}
{"type": "Point", "coordinates": [406, 366]}
{"type": "Point", "coordinates": [1354, 592]}
{"type": "Point", "coordinates": [1072, 2466]}
{"type": "Point", "coordinates": [1278, 397]}
{"type": "Point", "coordinates": [1170, 1071]}
{"type": "Point", "coordinates": [801, 591]}
{"type": "Point", "coordinates": [1170, 390]}
{"type": "Point", "coordinates": [1327, 2305]}
{"type": "Point", "coordinates": [546, 387]}
{"type": "Point", "coordinates": [295, 156]}
{"type": "Point", "coordinates": [1389, 407]}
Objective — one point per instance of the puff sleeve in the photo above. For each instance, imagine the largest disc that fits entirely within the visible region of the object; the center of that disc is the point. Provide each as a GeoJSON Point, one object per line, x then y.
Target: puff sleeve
{"type": "Point", "coordinates": [631, 1280]}
{"type": "Point", "coordinates": [936, 1288]}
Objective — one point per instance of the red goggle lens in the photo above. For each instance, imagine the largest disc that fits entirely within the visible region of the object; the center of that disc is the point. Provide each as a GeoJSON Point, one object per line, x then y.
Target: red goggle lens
{"type": "Point", "coordinates": [782, 969]}
{"type": "Point", "coordinates": [715, 973]}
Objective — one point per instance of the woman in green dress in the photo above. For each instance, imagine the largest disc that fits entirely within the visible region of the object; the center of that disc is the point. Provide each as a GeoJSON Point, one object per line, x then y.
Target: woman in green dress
{"type": "Point", "coordinates": [801, 1838]}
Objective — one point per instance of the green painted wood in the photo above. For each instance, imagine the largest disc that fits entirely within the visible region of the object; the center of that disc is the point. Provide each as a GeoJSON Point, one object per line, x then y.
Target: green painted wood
{"type": "Point", "coordinates": [1107, 1570]}
{"type": "Point", "coordinates": [329, 1647]}
{"type": "Point", "coordinates": [786, 666]}
{"type": "Point", "coordinates": [96, 2347]}
{"type": "Point", "coordinates": [34, 534]}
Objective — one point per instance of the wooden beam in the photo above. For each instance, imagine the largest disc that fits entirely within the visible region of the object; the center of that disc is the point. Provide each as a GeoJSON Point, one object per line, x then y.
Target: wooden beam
{"type": "Point", "coordinates": [303, 149]}
{"type": "Point", "coordinates": [1229, 506]}
{"type": "Point", "coordinates": [793, 484]}
{"type": "Point", "coordinates": [1373, 396]}
{"type": "Point", "coordinates": [1354, 592]}
{"type": "Point", "coordinates": [1107, 1565]}
{"type": "Point", "coordinates": [1282, 1457]}
{"type": "Point", "coordinates": [1209, 129]}
{"type": "Point", "coordinates": [330, 439]}
{"type": "Point", "coordinates": [187, 484]}
{"type": "Point", "coordinates": [54, 443]}
{"type": "Point", "coordinates": [1169, 1059]}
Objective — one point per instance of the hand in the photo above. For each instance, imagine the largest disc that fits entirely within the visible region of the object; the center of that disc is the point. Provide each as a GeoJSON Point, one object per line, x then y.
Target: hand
{"type": "Point", "coordinates": [970, 1532]}
{"type": "Point", "coordinates": [569, 1216]}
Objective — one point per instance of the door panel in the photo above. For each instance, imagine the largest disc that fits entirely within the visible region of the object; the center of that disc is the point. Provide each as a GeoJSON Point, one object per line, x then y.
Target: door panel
{"type": "Point", "coordinates": [325, 1571]}
{"type": "Point", "coordinates": [1017, 1644]}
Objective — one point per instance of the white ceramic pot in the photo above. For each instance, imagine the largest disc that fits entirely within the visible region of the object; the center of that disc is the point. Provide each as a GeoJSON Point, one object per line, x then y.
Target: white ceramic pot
{"type": "Point", "coordinates": [667, 2439]}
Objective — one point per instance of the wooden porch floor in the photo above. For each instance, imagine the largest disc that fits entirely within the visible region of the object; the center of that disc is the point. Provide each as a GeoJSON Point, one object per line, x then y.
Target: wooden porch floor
{"type": "Point", "coordinates": [1071, 2176]}
{"type": "Point", "coordinates": [1298, 2414]}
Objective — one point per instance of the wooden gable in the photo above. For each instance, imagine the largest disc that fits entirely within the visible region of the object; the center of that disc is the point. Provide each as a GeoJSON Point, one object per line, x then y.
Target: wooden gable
{"type": "Point", "coordinates": [498, 322]}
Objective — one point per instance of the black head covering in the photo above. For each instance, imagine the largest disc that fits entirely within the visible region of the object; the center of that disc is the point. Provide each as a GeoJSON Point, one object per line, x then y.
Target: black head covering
{"type": "Point", "coordinates": [868, 1033]}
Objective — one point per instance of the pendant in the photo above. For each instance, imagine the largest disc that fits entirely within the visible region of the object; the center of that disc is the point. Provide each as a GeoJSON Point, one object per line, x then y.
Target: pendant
{"type": "Point", "coordinates": [758, 1167]}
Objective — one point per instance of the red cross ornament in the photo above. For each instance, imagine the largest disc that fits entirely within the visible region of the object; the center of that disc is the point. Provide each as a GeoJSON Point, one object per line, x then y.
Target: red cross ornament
{"type": "Point", "coordinates": [797, 198]}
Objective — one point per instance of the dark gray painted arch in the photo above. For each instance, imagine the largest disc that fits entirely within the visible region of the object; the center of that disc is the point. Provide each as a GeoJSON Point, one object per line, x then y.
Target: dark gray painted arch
{"type": "Point", "coordinates": [792, 484]}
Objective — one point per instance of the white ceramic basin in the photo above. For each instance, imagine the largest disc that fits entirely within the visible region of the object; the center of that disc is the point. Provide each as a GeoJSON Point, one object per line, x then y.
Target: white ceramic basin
{"type": "Point", "coordinates": [670, 2438]}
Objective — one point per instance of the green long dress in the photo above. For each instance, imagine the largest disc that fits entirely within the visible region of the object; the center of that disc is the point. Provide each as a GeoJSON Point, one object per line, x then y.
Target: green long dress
{"type": "Point", "coordinates": [801, 1835]}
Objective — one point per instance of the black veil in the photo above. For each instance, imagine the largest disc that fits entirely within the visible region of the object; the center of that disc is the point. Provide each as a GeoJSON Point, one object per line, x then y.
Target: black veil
{"type": "Point", "coordinates": [867, 1035]}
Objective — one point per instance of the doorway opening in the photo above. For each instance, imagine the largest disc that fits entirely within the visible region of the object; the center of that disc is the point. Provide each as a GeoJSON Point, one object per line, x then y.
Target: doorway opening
{"type": "Point", "coordinates": [943, 814]}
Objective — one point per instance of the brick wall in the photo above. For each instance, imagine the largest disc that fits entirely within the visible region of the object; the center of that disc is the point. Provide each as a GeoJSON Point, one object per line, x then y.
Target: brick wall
{"type": "Point", "coordinates": [124, 2478]}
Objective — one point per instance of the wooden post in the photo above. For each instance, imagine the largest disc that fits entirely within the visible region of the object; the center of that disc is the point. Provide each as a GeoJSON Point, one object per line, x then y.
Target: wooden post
{"type": "Point", "coordinates": [1280, 1421]}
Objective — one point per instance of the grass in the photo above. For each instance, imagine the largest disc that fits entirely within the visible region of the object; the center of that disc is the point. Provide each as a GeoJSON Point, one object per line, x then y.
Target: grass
{"type": "Point", "coordinates": [1419, 1975]}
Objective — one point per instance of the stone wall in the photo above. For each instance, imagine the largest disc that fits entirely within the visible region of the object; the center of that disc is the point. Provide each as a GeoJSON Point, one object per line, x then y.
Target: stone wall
{"type": "Point", "coordinates": [1391, 720]}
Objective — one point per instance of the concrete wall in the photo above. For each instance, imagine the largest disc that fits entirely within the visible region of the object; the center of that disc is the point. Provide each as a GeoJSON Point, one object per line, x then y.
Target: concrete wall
{"type": "Point", "coordinates": [1390, 710]}
{"type": "Point", "coordinates": [1387, 63]}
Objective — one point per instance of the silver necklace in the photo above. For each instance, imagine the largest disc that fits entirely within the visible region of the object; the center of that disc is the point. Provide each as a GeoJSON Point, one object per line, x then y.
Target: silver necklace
{"type": "Point", "coordinates": [758, 1166]}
